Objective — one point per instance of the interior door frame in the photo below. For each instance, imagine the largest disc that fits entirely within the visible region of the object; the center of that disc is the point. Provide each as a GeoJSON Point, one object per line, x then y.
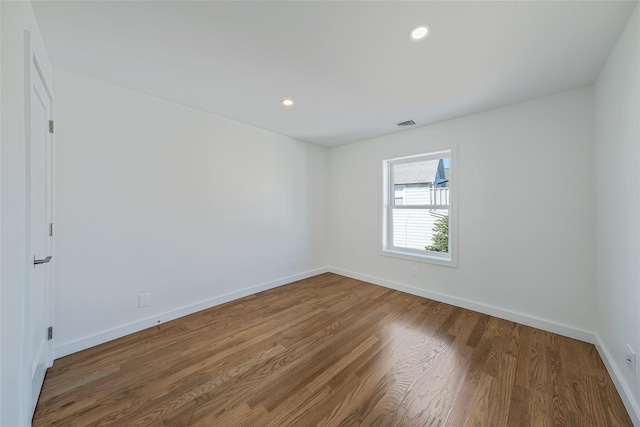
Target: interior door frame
{"type": "Point", "coordinates": [36, 65]}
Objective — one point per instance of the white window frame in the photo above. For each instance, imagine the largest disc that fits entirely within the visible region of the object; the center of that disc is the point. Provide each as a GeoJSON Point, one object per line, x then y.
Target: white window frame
{"type": "Point", "coordinates": [449, 259]}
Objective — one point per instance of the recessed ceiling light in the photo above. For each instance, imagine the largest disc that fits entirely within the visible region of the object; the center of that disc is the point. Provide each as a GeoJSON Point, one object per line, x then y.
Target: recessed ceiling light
{"type": "Point", "coordinates": [419, 32]}
{"type": "Point", "coordinates": [287, 102]}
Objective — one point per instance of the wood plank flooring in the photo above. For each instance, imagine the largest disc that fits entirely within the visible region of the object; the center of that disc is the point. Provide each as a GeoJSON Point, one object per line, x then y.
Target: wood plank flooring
{"type": "Point", "coordinates": [333, 351]}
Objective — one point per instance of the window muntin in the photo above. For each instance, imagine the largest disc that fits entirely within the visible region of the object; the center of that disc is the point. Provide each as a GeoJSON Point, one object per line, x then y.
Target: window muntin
{"type": "Point", "coordinates": [418, 208]}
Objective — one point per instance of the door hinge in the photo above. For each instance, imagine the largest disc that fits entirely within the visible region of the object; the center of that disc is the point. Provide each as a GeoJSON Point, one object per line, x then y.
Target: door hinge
{"type": "Point", "coordinates": [50, 126]}
{"type": "Point", "coordinates": [51, 229]}
{"type": "Point", "coordinates": [50, 333]}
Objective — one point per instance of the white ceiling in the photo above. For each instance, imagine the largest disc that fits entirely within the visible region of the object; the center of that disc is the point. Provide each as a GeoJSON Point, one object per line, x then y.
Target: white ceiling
{"type": "Point", "coordinates": [350, 66]}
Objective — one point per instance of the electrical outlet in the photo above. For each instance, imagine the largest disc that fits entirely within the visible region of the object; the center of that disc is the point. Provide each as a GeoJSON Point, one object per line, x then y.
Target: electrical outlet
{"type": "Point", "coordinates": [415, 272]}
{"type": "Point", "coordinates": [630, 359]}
{"type": "Point", "coordinates": [293, 263]}
{"type": "Point", "coordinates": [144, 300]}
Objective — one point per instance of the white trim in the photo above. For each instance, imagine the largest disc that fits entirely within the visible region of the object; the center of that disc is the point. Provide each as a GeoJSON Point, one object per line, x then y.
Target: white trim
{"type": "Point", "coordinates": [528, 320]}
{"type": "Point", "coordinates": [558, 328]}
{"type": "Point", "coordinates": [425, 207]}
{"type": "Point", "coordinates": [120, 331]}
{"type": "Point", "coordinates": [433, 155]}
{"type": "Point", "coordinates": [1, 399]}
{"type": "Point", "coordinates": [427, 256]}
{"type": "Point", "coordinates": [623, 389]}
{"type": "Point", "coordinates": [386, 194]}
{"type": "Point", "coordinates": [24, 392]}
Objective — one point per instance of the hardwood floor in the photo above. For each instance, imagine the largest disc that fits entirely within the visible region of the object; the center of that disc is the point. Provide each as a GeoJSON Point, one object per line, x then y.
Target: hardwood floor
{"type": "Point", "coordinates": [333, 351]}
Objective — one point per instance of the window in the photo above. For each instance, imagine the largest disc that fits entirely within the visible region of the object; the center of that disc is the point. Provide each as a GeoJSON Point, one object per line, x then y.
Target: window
{"type": "Point", "coordinates": [418, 208]}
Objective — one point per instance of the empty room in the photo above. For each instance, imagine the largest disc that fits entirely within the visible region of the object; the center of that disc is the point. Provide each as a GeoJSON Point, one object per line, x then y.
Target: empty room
{"type": "Point", "coordinates": [319, 213]}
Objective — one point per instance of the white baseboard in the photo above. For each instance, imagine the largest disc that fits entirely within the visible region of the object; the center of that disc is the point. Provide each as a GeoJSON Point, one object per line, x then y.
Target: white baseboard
{"type": "Point", "coordinates": [67, 348]}
{"type": "Point", "coordinates": [558, 328]}
{"type": "Point", "coordinates": [623, 389]}
{"type": "Point", "coordinates": [535, 322]}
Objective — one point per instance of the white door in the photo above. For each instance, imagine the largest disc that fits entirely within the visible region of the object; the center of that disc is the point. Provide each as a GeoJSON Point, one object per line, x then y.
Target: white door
{"type": "Point", "coordinates": [38, 302]}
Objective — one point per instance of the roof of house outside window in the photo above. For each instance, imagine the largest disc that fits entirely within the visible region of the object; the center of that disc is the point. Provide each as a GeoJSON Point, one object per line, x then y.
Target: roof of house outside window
{"type": "Point", "coordinates": [426, 171]}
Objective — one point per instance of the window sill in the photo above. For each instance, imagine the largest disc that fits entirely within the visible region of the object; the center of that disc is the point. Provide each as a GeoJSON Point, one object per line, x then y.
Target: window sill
{"type": "Point", "coordinates": [430, 258]}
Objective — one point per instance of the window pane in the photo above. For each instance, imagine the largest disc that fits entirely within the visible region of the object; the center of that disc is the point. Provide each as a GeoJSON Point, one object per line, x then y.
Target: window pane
{"type": "Point", "coordinates": [417, 206]}
{"type": "Point", "coordinates": [421, 229]}
{"type": "Point", "coordinates": [424, 182]}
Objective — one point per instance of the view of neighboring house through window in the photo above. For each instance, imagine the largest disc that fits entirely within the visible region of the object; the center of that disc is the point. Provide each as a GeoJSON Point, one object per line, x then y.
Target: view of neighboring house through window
{"type": "Point", "coordinates": [418, 208]}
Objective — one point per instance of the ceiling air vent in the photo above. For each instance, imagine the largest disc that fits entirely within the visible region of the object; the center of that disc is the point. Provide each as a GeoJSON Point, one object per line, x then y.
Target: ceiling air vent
{"type": "Point", "coordinates": [406, 123]}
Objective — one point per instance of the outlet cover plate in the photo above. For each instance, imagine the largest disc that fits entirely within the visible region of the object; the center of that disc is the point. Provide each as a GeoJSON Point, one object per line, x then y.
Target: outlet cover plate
{"type": "Point", "coordinates": [630, 359]}
{"type": "Point", "coordinates": [144, 300]}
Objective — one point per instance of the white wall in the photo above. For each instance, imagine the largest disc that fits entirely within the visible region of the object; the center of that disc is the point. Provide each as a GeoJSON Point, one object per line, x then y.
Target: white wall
{"type": "Point", "coordinates": [617, 160]}
{"type": "Point", "coordinates": [195, 209]}
{"type": "Point", "coordinates": [527, 255]}
{"type": "Point", "coordinates": [16, 18]}
{"type": "Point", "coordinates": [192, 208]}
